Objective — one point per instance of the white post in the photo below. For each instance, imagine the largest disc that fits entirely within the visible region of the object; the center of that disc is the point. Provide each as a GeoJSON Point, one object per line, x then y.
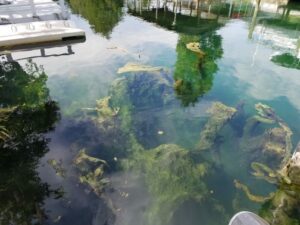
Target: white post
{"type": "Point", "coordinates": [156, 10]}
{"type": "Point", "coordinates": [10, 15]}
{"type": "Point", "coordinates": [43, 52]}
{"type": "Point", "coordinates": [230, 9]}
{"type": "Point", "coordinates": [63, 9]}
{"type": "Point", "coordinates": [240, 8]}
{"type": "Point", "coordinates": [9, 57]}
{"type": "Point", "coordinates": [33, 10]}
{"type": "Point", "coordinates": [175, 13]}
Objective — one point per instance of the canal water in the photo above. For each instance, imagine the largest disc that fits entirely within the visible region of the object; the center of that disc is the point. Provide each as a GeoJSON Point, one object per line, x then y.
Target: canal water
{"type": "Point", "coordinates": [136, 128]}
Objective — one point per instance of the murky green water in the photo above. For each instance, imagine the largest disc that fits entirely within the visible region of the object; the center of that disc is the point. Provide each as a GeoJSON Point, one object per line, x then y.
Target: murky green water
{"type": "Point", "coordinates": [185, 143]}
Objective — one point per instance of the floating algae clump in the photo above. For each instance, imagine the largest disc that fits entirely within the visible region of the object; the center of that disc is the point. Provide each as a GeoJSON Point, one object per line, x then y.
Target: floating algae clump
{"type": "Point", "coordinates": [172, 178]}
{"type": "Point", "coordinates": [220, 114]}
{"type": "Point", "coordinates": [91, 171]}
{"type": "Point", "coordinates": [195, 47]}
{"type": "Point", "coordinates": [135, 67]}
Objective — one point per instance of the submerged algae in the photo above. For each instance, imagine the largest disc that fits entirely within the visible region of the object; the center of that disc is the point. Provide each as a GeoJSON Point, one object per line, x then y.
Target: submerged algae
{"type": "Point", "coordinates": [283, 208]}
{"type": "Point", "coordinates": [172, 178]}
{"type": "Point", "coordinates": [252, 197]}
{"type": "Point", "coordinates": [91, 171]}
{"type": "Point", "coordinates": [274, 144]}
{"type": "Point", "coordinates": [169, 171]}
{"type": "Point", "coordinates": [276, 167]}
{"type": "Point", "coordinates": [220, 114]}
{"type": "Point", "coordinates": [265, 113]}
{"type": "Point", "coordinates": [135, 67]}
{"type": "Point", "coordinates": [57, 166]}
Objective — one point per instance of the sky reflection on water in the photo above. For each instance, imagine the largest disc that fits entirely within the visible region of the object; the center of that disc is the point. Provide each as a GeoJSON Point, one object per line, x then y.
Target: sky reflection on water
{"type": "Point", "coordinates": [147, 110]}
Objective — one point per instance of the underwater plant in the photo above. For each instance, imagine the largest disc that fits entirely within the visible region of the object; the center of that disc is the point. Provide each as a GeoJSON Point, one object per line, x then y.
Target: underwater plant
{"type": "Point", "coordinates": [220, 114]}
{"type": "Point", "coordinates": [91, 171]}
{"type": "Point", "coordinates": [274, 164]}
{"type": "Point", "coordinates": [172, 178]}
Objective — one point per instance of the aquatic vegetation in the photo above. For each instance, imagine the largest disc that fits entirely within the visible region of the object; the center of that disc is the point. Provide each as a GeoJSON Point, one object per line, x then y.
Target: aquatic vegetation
{"type": "Point", "coordinates": [264, 172]}
{"type": "Point", "coordinates": [252, 197]}
{"type": "Point", "coordinates": [135, 67]}
{"type": "Point", "coordinates": [292, 168]}
{"type": "Point", "coordinates": [142, 90]}
{"type": "Point", "coordinates": [172, 178]}
{"type": "Point", "coordinates": [171, 175]}
{"type": "Point", "coordinates": [57, 166]}
{"type": "Point", "coordinates": [274, 144]}
{"type": "Point", "coordinates": [283, 208]}
{"type": "Point", "coordinates": [287, 60]}
{"type": "Point", "coordinates": [195, 47]}
{"type": "Point", "coordinates": [220, 114]}
{"type": "Point", "coordinates": [276, 166]}
{"type": "Point", "coordinates": [91, 171]}
{"type": "Point", "coordinates": [265, 114]}
{"type": "Point", "coordinates": [104, 111]}
{"type": "Point", "coordinates": [277, 143]}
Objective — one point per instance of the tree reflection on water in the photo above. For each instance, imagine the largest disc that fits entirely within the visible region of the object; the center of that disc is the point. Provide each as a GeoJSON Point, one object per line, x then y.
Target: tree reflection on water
{"type": "Point", "coordinates": [26, 114]}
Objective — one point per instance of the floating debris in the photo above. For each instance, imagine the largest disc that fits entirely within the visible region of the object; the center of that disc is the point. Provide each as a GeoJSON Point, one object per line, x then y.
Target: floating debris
{"type": "Point", "coordinates": [160, 132]}
{"type": "Point", "coordinates": [195, 47]}
{"type": "Point", "coordinates": [135, 67]}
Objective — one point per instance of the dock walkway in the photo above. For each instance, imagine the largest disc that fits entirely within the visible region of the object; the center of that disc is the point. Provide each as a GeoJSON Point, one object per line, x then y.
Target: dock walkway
{"type": "Point", "coordinates": [28, 23]}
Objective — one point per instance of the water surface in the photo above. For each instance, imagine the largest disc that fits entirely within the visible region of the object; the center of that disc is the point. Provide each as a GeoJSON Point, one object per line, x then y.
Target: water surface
{"type": "Point", "coordinates": [147, 126]}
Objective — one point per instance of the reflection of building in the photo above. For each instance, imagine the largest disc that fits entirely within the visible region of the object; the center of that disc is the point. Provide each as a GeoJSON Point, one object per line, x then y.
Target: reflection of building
{"type": "Point", "coordinates": [35, 24]}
